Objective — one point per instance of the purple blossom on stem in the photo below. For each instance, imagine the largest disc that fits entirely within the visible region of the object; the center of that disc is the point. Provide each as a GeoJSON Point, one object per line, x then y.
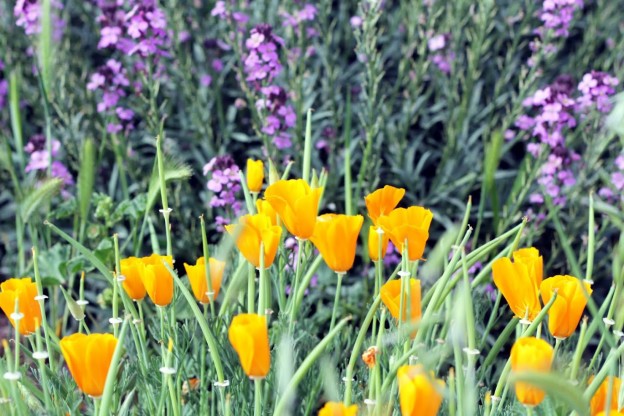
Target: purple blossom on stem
{"type": "Point", "coordinates": [4, 87]}
{"type": "Point", "coordinates": [28, 12]}
{"type": "Point", "coordinates": [442, 57]}
{"type": "Point", "coordinates": [262, 59]}
{"type": "Point", "coordinates": [40, 160]}
{"type": "Point", "coordinates": [224, 183]}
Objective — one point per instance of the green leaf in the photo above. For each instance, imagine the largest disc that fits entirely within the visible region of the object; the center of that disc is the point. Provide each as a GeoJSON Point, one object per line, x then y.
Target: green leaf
{"type": "Point", "coordinates": [556, 387]}
{"type": "Point", "coordinates": [45, 45]}
{"type": "Point", "coordinates": [492, 160]}
{"type": "Point", "coordinates": [39, 197]}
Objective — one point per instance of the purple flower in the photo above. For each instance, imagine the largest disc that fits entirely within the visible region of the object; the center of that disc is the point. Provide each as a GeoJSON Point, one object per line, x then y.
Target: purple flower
{"type": "Point", "coordinates": [436, 43]}
{"type": "Point", "coordinates": [355, 21]}
{"type": "Point", "coordinates": [224, 182]}
{"type": "Point", "coordinates": [27, 14]}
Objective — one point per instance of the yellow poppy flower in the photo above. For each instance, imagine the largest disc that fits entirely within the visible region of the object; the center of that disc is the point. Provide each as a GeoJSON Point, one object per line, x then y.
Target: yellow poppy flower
{"type": "Point", "coordinates": [382, 201]}
{"type": "Point", "coordinates": [335, 236]}
{"type": "Point", "coordinates": [391, 297]}
{"type": "Point", "coordinates": [253, 230]}
{"type": "Point", "coordinates": [255, 175]}
{"type": "Point", "coordinates": [373, 244]}
{"type": "Point", "coordinates": [411, 225]}
{"type": "Point", "coordinates": [25, 290]}
{"type": "Point", "coordinates": [531, 258]}
{"type": "Point", "coordinates": [338, 409]}
{"type": "Point", "coordinates": [157, 280]}
{"type": "Point", "coordinates": [598, 403]}
{"type": "Point", "coordinates": [564, 315]}
{"type": "Point", "coordinates": [517, 286]}
{"type": "Point", "coordinates": [263, 207]}
{"type": "Point", "coordinates": [197, 277]}
{"type": "Point", "coordinates": [296, 204]}
{"type": "Point", "coordinates": [530, 354]}
{"type": "Point", "coordinates": [88, 358]}
{"type": "Point", "coordinates": [420, 393]}
{"type": "Point", "coordinates": [249, 336]}
{"type": "Point", "coordinates": [132, 269]}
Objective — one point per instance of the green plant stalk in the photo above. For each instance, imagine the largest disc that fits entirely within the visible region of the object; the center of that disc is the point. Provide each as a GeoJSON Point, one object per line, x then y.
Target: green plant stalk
{"type": "Point", "coordinates": [437, 296]}
{"type": "Point", "coordinates": [169, 377]}
{"type": "Point", "coordinates": [461, 383]}
{"type": "Point", "coordinates": [109, 386]}
{"type": "Point", "coordinates": [591, 240]}
{"type": "Point", "coordinates": [239, 274]}
{"type": "Point", "coordinates": [16, 119]}
{"type": "Point", "coordinates": [336, 299]}
{"type": "Point", "coordinates": [578, 352]}
{"type": "Point", "coordinates": [262, 289]}
{"type": "Point", "coordinates": [251, 288]}
{"type": "Point", "coordinates": [16, 311]}
{"type": "Point", "coordinates": [289, 391]}
{"type": "Point", "coordinates": [614, 355]}
{"type": "Point", "coordinates": [258, 397]}
{"type": "Point", "coordinates": [41, 300]}
{"type": "Point", "coordinates": [499, 344]}
{"type": "Point", "coordinates": [248, 200]}
{"type": "Point", "coordinates": [491, 321]}
{"type": "Point", "coordinates": [207, 263]}
{"type": "Point", "coordinates": [210, 339]}
{"type": "Point", "coordinates": [163, 193]}
{"type": "Point", "coordinates": [305, 282]}
{"type": "Point", "coordinates": [307, 148]}
{"type": "Point", "coordinates": [563, 238]}
{"type": "Point", "coordinates": [452, 390]}
{"type": "Point", "coordinates": [502, 380]}
{"type": "Point", "coordinates": [355, 352]}
{"type": "Point", "coordinates": [298, 269]}
{"type": "Point", "coordinates": [43, 370]}
{"type": "Point", "coordinates": [470, 320]}
{"type": "Point", "coordinates": [390, 378]}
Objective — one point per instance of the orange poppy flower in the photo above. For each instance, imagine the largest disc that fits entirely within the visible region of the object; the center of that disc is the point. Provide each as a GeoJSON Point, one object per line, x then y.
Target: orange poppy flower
{"type": "Point", "coordinates": [197, 277]}
{"type": "Point", "coordinates": [530, 354]}
{"type": "Point", "coordinates": [373, 243]}
{"type": "Point", "coordinates": [411, 225]}
{"type": "Point", "coordinates": [420, 394]}
{"type": "Point", "coordinates": [132, 269]}
{"type": "Point", "coordinates": [296, 204]}
{"type": "Point", "coordinates": [391, 297]}
{"type": "Point", "coordinates": [564, 315]}
{"type": "Point", "coordinates": [382, 201]}
{"type": "Point", "coordinates": [89, 358]}
{"type": "Point", "coordinates": [338, 409]}
{"type": "Point", "coordinates": [25, 290]}
{"type": "Point", "coordinates": [255, 175]}
{"type": "Point", "coordinates": [335, 236]}
{"type": "Point", "coordinates": [249, 336]}
{"type": "Point", "coordinates": [251, 232]}
{"type": "Point", "coordinates": [531, 258]}
{"type": "Point", "coordinates": [599, 403]}
{"type": "Point", "coordinates": [517, 286]}
{"type": "Point", "coordinates": [157, 280]}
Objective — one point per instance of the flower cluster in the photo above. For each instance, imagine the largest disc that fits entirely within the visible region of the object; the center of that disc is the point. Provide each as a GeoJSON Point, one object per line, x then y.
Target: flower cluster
{"type": "Point", "coordinates": [112, 80]}
{"type": "Point", "coordinates": [596, 88]}
{"type": "Point", "coordinates": [617, 182]}
{"type": "Point", "coordinates": [141, 29]}
{"type": "Point", "coordinates": [28, 12]}
{"type": "Point", "coordinates": [279, 116]}
{"type": "Point", "coordinates": [556, 17]}
{"type": "Point", "coordinates": [262, 65]}
{"type": "Point", "coordinates": [442, 57]}
{"type": "Point", "coordinates": [40, 160]}
{"type": "Point", "coordinates": [220, 10]}
{"type": "Point", "coordinates": [555, 109]}
{"type": "Point", "coordinates": [297, 21]}
{"type": "Point", "coordinates": [224, 182]}
{"type": "Point", "coordinates": [4, 87]}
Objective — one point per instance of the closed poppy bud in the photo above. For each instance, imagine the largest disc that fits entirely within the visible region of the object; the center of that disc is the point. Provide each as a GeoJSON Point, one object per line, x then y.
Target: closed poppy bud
{"type": "Point", "coordinates": [565, 313]}
{"type": "Point", "coordinates": [517, 286]}
{"type": "Point", "coordinates": [373, 243]}
{"type": "Point", "coordinates": [131, 269]}
{"type": "Point", "coordinates": [249, 336]}
{"type": "Point", "coordinates": [255, 175]}
{"type": "Point", "coordinates": [157, 280]}
{"type": "Point", "coordinates": [263, 207]}
{"type": "Point", "coordinates": [598, 403]}
{"type": "Point", "coordinates": [88, 358]}
{"type": "Point", "coordinates": [197, 277]}
{"type": "Point", "coordinates": [382, 201]}
{"type": "Point", "coordinates": [338, 409]}
{"type": "Point", "coordinates": [530, 354]}
{"type": "Point", "coordinates": [420, 393]}
{"type": "Point", "coordinates": [253, 230]}
{"type": "Point", "coordinates": [335, 236]}
{"type": "Point", "coordinates": [534, 263]}
{"type": "Point", "coordinates": [411, 225]}
{"type": "Point", "coordinates": [391, 297]}
{"type": "Point", "coordinates": [296, 204]}
{"type": "Point", "coordinates": [25, 290]}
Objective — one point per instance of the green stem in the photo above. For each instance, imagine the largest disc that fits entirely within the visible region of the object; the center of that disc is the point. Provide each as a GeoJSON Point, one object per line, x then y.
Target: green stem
{"type": "Point", "coordinates": [336, 300]}
{"type": "Point", "coordinates": [257, 397]}
{"type": "Point", "coordinates": [163, 192]}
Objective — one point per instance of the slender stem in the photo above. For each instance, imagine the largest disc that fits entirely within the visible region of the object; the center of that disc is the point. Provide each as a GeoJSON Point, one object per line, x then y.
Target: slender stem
{"type": "Point", "coordinates": [163, 192]}
{"type": "Point", "coordinates": [251, 289]}
{"type": "Point", "coordinates": [257, 397]}
{"type": "Point", "coordinates": [336, 300]}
